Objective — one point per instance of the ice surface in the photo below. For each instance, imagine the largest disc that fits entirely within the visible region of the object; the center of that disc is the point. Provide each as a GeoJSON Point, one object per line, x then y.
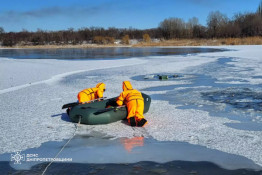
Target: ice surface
{"type": "Point", "coordinates": [33, 91]}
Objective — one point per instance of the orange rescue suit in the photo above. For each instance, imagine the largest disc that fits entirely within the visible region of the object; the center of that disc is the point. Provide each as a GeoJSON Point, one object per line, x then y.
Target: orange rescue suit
{"type": "Point", "coordinates": [134, 101]}
{"type": "Point", "coordinates": [91, 93]}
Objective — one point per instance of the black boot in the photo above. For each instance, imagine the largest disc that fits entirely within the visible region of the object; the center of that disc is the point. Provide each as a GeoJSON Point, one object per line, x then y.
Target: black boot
{"type": "Point", "coordinates": [132, 121]}
{"type": "Point", "coordinates": [142, 122]}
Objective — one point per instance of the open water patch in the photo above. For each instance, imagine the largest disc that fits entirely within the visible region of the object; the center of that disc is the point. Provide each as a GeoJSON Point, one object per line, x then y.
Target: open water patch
{"type": "Point", "coordinates": [241, 104]}
{"type": "Point", "coordinates": [100, 53]}
{"type": "Point", "coordinates": [241, 98]}
{"type": "Point", "coordinates": [159, 76]}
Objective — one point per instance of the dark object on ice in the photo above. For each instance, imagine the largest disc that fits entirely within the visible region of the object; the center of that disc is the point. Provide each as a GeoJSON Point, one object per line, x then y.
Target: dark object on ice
{"type": "Point", "coordinates": [95, 113]}
{"type": "Point", "coordinates": [163, 77]}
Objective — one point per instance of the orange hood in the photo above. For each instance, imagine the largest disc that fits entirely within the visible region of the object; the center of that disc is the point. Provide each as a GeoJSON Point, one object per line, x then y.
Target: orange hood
{"type": "Point", "coordinates": [127, 85]}
{"type": "Point", "coordinates": [101, 86]}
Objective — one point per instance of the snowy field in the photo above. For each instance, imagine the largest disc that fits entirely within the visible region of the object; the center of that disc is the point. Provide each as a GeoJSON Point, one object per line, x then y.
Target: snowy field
{"type": "Point", "coordinates": [215, 102]}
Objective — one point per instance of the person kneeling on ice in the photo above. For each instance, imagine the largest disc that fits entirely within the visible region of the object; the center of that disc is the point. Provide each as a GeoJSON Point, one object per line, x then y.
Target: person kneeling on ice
{"type": "Point", "coordinates": [134, 101]}
{"type": "Point", "coordinates": [91, 93]}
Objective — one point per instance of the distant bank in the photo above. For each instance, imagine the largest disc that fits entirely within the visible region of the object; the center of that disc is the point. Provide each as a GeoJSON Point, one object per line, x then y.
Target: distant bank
{"type": "Point", "coordinates": [156, 43]}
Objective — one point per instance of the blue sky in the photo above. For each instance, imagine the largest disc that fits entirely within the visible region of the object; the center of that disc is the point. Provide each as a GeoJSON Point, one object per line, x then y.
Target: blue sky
{"type": "Point", "coordinates": [16, 15]}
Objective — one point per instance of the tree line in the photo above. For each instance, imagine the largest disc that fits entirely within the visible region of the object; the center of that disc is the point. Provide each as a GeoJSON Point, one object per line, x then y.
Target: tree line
{"type": "Point", "coordinates": [90, 35]}
{"type": "Point", "coordinates": [218, 26]}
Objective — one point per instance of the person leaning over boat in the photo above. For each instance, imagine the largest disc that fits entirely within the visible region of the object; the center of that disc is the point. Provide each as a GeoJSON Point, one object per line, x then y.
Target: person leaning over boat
{"type": "Point", "coordinates": [91, 93]}
{"type": "Point", "coordinates": [134, 101]}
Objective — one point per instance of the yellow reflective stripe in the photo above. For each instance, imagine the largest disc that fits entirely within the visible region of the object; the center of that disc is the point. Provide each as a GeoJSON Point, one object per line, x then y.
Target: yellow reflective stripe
{"type": "Point", "coordinates": [85, 92]}
{"type": "Point", "coordinates": [133, 94]}
{"type": "Point", "coordinates": [134, 99]}
{"type": "Point", "coordinates": [91, 93]}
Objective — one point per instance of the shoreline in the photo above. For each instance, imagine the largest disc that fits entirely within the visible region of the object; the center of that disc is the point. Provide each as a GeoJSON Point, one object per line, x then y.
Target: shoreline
{"type": "Point", "coordinates": [163, 43]}
{"type": "Point", "coordinates": [66, 46]}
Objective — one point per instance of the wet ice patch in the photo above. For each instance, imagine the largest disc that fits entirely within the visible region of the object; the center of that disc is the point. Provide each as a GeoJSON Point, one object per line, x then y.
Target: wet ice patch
{"type": "Point", "coordinates": [241, 98]}
{"type": "Point", "coordinates": [249, 126]}
{"type": "Point", "coordinates": [242, 104]}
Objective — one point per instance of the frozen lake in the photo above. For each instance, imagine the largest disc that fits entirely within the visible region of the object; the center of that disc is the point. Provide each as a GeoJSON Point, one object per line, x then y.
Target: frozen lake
{"type": "Point", "coordinates": [99, 53]}
{"type": "Point", "coordinates": [213, 106]}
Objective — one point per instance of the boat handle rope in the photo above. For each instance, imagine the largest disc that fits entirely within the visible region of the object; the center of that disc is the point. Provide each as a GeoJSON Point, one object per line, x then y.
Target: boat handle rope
{"type": "Point", "coordinates": [76, 127]}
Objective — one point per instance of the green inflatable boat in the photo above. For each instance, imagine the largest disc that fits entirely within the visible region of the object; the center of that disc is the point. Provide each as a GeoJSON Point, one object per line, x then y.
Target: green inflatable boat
{"type": "Point", "coordinates": [95, 113]}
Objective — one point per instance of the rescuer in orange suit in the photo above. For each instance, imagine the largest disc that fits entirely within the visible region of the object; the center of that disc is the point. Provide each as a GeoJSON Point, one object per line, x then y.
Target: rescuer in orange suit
{"type": "Point", "coordinates": [134, 101]}
{"type": "Point", "coordinates": [91, 93]}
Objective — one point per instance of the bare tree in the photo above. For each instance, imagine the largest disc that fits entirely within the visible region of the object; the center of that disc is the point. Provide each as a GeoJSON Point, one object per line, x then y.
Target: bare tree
{"type": "Point", "coordinates": [192, 22]}
{"type": "Point", "coordinates": [172, 27]}
{"type": "Point", "coordinates": [215, 21]}
{"type": "Point", "coordinates": [199, 31]}
{"type": "Point", "coordinates": [250, 24]}
{"type": "Point", "coordinates": [190, 25]}
{"type": "Point", "coordinates": [259, 11]}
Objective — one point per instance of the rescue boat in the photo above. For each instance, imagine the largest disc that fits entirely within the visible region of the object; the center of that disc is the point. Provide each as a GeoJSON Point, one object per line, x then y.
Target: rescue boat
{"type": "Point", "coordinates": [102, 112]}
